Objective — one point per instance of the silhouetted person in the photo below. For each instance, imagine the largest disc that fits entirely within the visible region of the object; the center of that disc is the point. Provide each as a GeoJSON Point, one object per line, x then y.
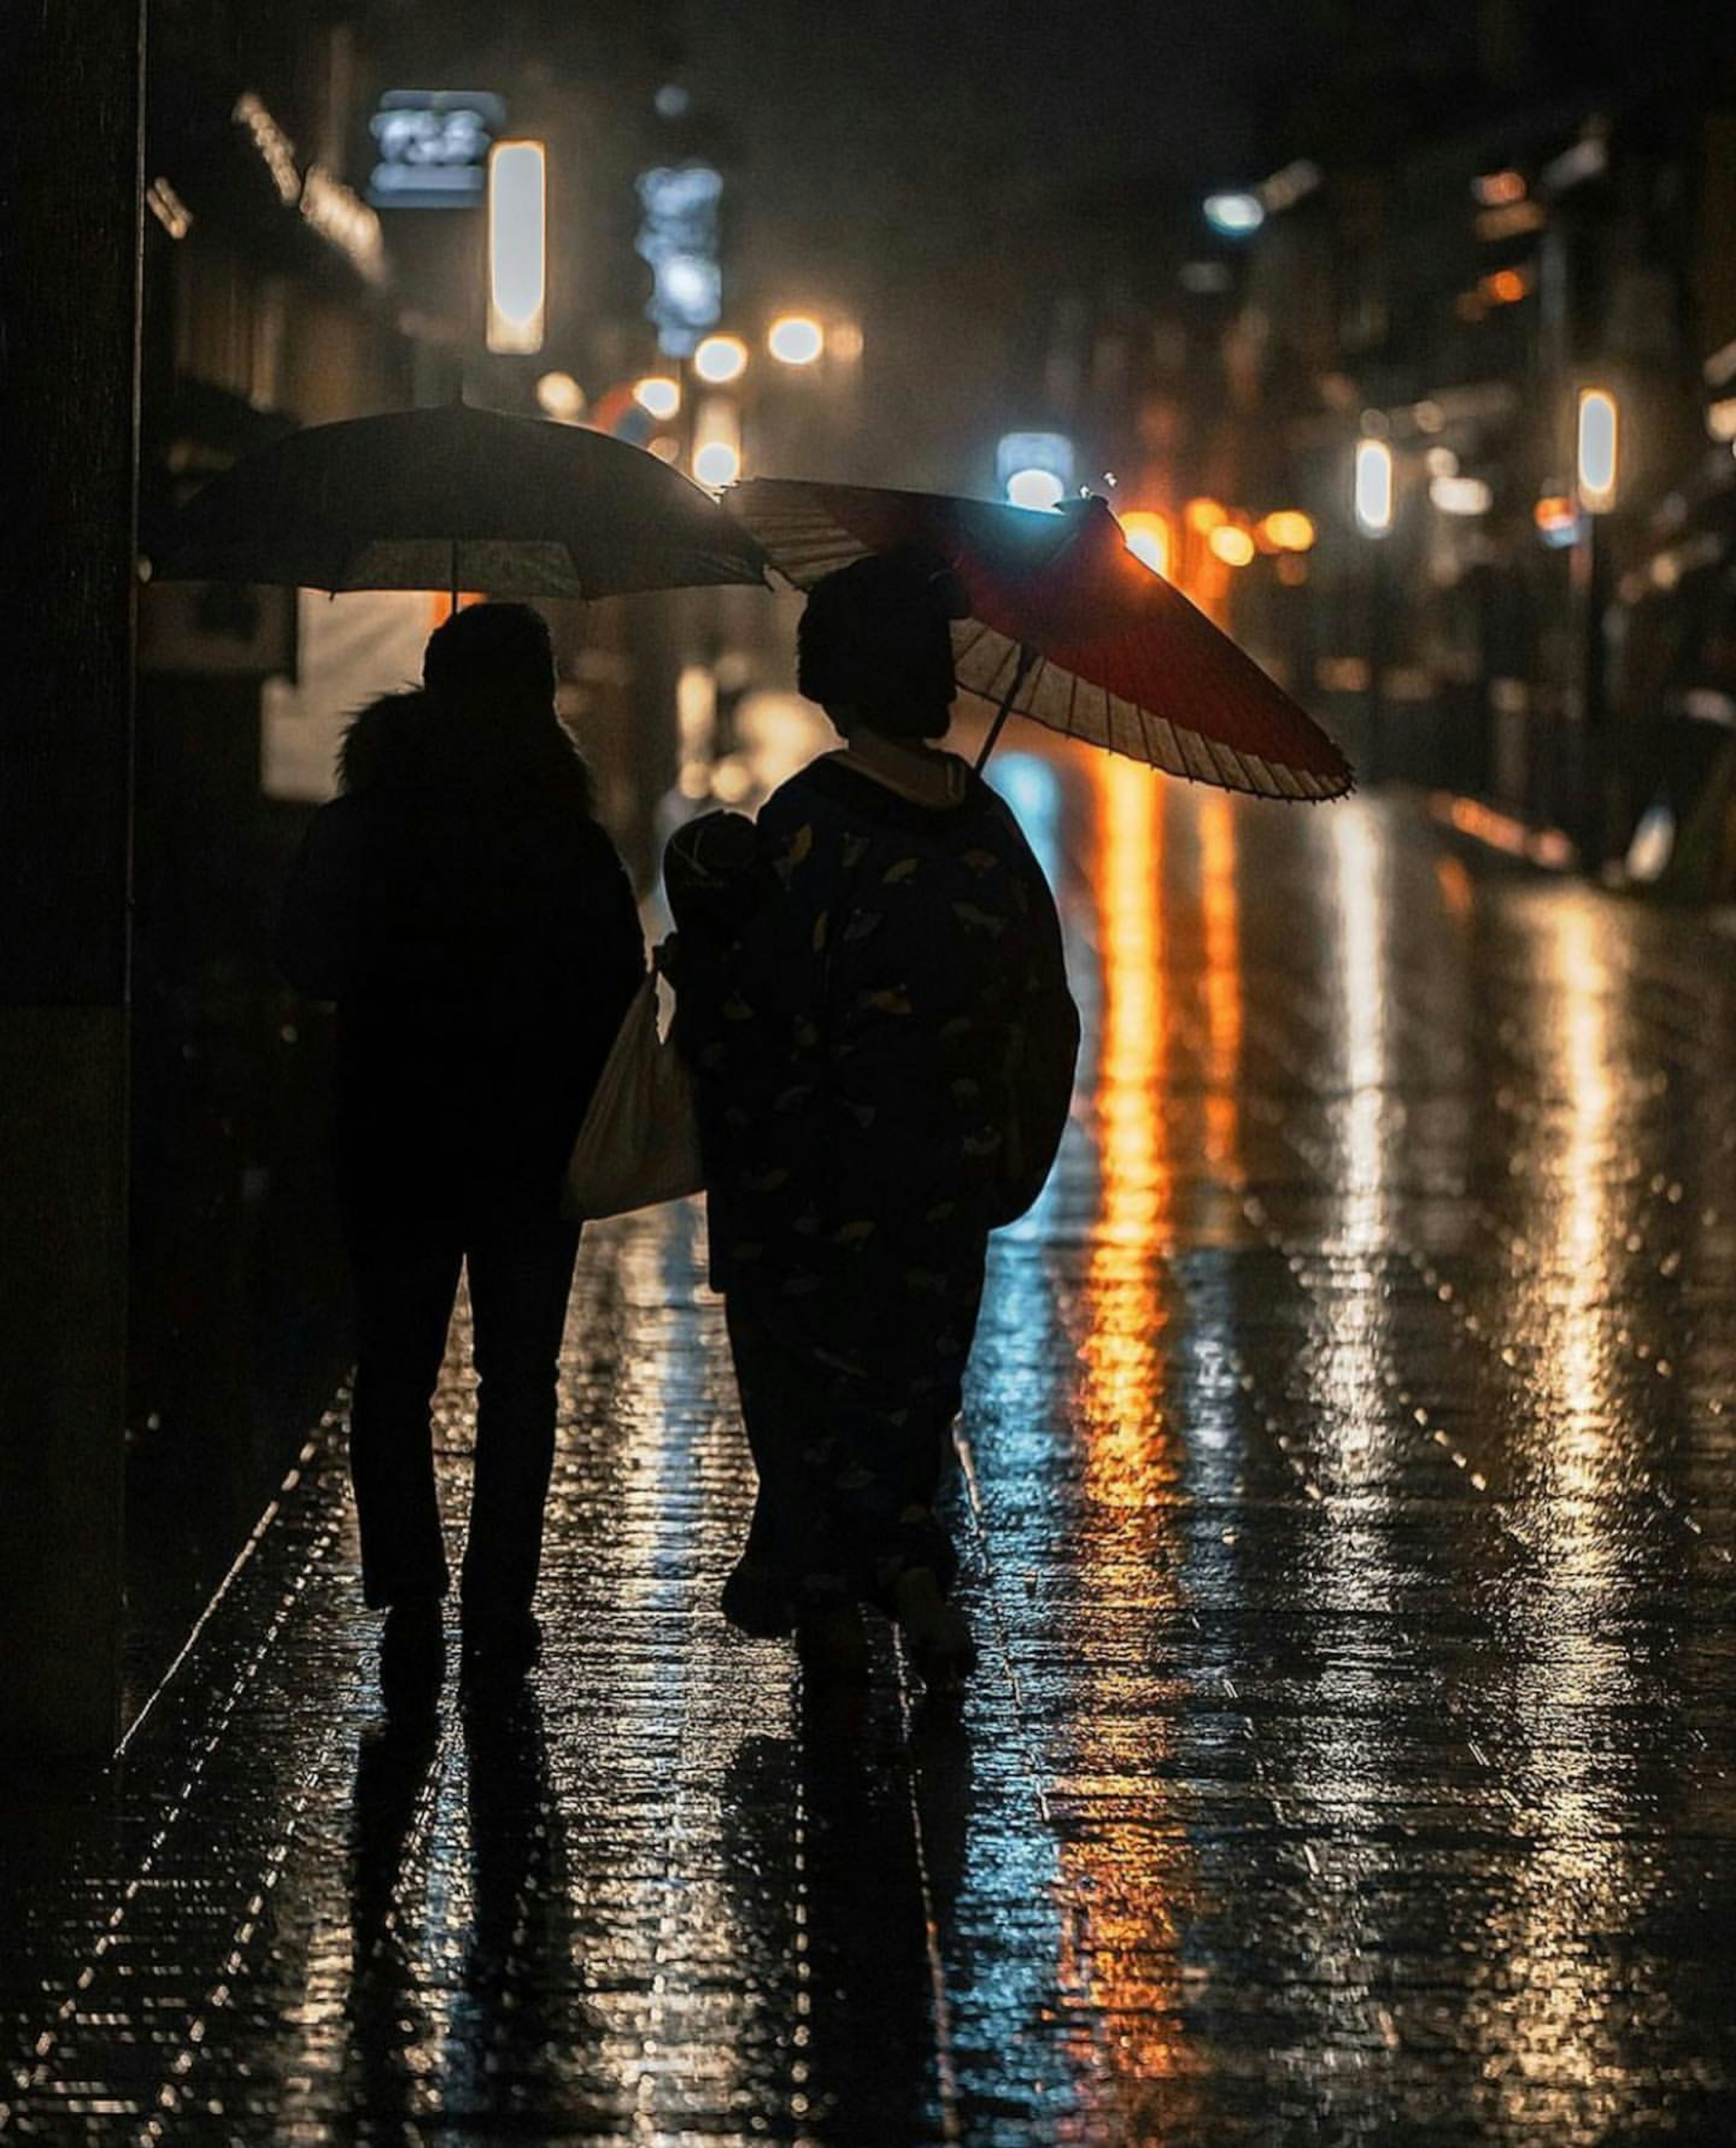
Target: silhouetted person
{"type": "Point", "coordinates": [871, 992]}
{"type": "Point", "coordinates": [477, 930]}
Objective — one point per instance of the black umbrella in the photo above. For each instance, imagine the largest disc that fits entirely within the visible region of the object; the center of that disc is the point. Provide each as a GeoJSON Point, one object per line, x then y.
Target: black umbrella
{"type": "Point", "coordinates": [456, 497]}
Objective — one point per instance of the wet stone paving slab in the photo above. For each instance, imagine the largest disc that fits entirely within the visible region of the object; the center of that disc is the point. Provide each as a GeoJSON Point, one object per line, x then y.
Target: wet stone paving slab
{"type": "Point", "coordinates": [1347, 1484]}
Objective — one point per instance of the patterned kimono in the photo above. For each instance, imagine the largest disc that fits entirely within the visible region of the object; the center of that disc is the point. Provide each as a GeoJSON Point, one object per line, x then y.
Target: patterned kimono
{"type": "Point", "coordinates": [883, 1046]}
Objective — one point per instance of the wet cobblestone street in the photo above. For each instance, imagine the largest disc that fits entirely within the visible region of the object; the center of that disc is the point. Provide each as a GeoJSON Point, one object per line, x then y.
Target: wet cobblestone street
{"type": "Point", "coordinates": [1348, 1499]}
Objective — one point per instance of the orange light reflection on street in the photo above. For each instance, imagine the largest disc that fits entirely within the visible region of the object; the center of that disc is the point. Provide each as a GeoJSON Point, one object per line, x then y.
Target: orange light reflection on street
{"type": "Point", "coordinates": [1223, 980]}
{"type": "Point", "coordinates": [1130, 1893]}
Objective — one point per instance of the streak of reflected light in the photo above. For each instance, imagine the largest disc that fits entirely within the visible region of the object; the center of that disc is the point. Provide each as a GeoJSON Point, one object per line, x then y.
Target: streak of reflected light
{"type": "Point", "coordinates": [1348, 1759]}
{"type": "Point", "coordinates": [1574, 1682]}
{"type": "Point", "coordinates": [1223, 980]}
{"type": "Point", "coordinates": [1128, 1893]}
{"type": "Point", "coordinates": [1360, 891]}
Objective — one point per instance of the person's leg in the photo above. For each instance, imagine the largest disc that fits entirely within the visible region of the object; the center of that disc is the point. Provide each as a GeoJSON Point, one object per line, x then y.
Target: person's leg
{"type": "Point", "coordinates": [790, 1556]}
{"type": "Point", "coordinates": [894, 1417]}
{"type": "Point", "coordinates": [521, 1277]}
{"type": "Point", "coordinates": [404, 1289]}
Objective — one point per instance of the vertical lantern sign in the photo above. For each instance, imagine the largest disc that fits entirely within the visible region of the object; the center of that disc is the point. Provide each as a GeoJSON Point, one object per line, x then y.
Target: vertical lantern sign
{"type": "Point", "coordinates": [517, 246]}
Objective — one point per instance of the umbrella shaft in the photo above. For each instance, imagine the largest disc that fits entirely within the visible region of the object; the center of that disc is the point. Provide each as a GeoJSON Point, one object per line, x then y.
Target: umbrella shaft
{"type": "Point", "coordinates": [1028, 657]}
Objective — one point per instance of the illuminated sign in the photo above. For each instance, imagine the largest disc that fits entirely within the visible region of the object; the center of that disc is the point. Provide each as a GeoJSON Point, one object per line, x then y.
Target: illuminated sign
{"type": "Point", "coordinates": [434, 147]}
{"type": "Point", "coordinates": [679, 239]}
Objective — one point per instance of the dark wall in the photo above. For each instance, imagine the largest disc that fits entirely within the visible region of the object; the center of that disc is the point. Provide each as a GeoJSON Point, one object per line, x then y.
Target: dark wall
{"type": "Point", "coordinates": [70, 107]}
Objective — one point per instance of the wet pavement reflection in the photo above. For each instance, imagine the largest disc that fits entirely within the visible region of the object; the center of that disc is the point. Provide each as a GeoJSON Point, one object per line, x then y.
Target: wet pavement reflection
{"type": "Point", "coordinates": [1349, 1494]}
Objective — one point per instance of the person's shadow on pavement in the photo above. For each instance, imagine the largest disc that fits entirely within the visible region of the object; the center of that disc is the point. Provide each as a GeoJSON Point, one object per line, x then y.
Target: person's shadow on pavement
{"type": "Point", "coordinates": [488, 2029]}
{"type": "Point", "coordinates": [387, 2017]}
{"type": "Point", "coordinates": [525, 2037]}
{"type": "Point", "coordinates": [836, 1910]}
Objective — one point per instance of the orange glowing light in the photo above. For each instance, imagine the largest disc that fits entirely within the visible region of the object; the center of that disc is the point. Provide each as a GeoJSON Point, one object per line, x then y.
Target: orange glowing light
{"type": "Point", "coordinates": [1148, 538]}
{"type": "Point", "coordinates": [1222, 916]}
{"type": "Point", "coordinates": [1505, 287]}
{"type": "Point", "coordinates": [1288, 530]}
{"type": "Point", "coordinates": [1129, 1889]}
{"type": "Point", "coordinates": [441, 606]}
{"type": "Point", "coordinates": [1554, 513]}
{"type": "Point", "coordinates": [1205, 514]}
{"type": "Point", "coordinates": [1495, 190]}
{"type": "Point", "coordinates": [1233, 546]}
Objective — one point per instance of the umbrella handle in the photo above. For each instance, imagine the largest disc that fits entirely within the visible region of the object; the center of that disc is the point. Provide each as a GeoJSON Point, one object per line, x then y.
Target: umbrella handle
{"type": "Point", "coordinates": [1028, 657]}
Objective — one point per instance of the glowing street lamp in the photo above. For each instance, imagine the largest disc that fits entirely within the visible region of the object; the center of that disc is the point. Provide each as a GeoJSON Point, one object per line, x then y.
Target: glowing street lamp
{"type": "Point", "coordinates": [658, 395]}
{"type": "Point", "coordinates": [1235, 212]}
{"type": "Point", "coordinates": [1147, 538]}
{"type": "Point", "coordinates": [1373, 487]}
{"type": "Point", "coordinates": [1034, 469]}
{"type": "Point", "coordinates": [561, 397]}
{"type": "Point", "coordinates": [1288, 530]}
{"type": "Point", "coordinates": [719, 359]}
{"type": "Point", "coordinates": [1035, 488]}
{"type": "Point", "coordinates": [517, 246]}
{"type": "Point", "coordinates": [1598, 449]}
{"type": "Point", "coordinates": [796, 339]}
{"type": "Point", "coordinates": [1232, 544]}
{"type": "Point", "coordinates": [717, 442]}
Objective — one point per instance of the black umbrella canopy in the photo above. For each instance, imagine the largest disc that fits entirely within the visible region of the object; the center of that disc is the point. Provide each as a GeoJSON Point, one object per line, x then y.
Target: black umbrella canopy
{"type": "Point", "coordinates": [457, 498]}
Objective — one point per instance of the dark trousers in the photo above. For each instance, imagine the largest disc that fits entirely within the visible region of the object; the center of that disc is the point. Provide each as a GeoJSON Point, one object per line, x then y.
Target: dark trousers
{"type": "Point", "coordinates": [406, 1279]}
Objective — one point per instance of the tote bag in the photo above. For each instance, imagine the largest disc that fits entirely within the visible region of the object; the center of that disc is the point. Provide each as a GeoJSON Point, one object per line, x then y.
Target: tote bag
{"type": "Point", "coordinates": [639, 1143]}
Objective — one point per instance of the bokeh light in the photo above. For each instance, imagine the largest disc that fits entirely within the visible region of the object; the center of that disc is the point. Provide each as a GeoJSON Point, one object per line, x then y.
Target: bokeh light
{"type": "Point", "coordinates": [1289, 530]}
{"type": "Point", "coordinates": [1035, 488]}
{"type": "Point", "coordinates": [1148, 538]}
{"type": "Point", "coordinates": [561, 397]}
{"type": "Point", "coordinates": [796, 339]}
{"type": "Point", "coordinates": [517, 246]}
{"type": "Point", "coordinates": [1598, 433]}
{"type": "Point", "coordinates": [658, 395]}
{"type": "Point", "coordinates": [1373, 489]}
{"type": "Point", "coordinates": [720, 357]}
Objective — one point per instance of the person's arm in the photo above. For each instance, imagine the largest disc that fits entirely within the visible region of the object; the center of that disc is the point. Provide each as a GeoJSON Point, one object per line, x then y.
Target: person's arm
{"type": "Point", "coordinates": [318, 941]}
{"type": "Point", "coordinates": [617, 938]}
{"type": "Point", "coordinates": [1045, 1043]}
{"type": "Point", "coordinates": [758, 1037]}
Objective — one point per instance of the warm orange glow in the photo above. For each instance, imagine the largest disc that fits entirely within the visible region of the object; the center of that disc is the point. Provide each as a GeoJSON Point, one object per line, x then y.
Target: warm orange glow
{"type": "Point", "coordinates": [1224, 981]}
{"type": "Point", "coordinates": [1501, 831]}
{"type": "Point", "coordinates": [1123, 1352]}
{"type": "Point", "coordinates": [1233, 546]}
{"type": "Point", "coordinates": [1504, 287]}
{"type": "Point", "coordinates": [1130, 1891]}
{"type": "Point", "coordinates": [441, 606]}
{"type": "Point", "coordinates": [1205, 514]}
{"type": "Point", "coordinates": [1147, 534]}
{"type": "Point", "coordinates": [1288, 530]}
{"type": "Point", "coordinates": [1494, 189]}
{"type": "Point", "coordinates": [1554, 513]}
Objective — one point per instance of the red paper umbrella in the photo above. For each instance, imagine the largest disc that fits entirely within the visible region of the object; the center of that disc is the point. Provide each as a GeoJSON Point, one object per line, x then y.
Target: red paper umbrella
{"type": "Point", "coordinates": [1067, 627]}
